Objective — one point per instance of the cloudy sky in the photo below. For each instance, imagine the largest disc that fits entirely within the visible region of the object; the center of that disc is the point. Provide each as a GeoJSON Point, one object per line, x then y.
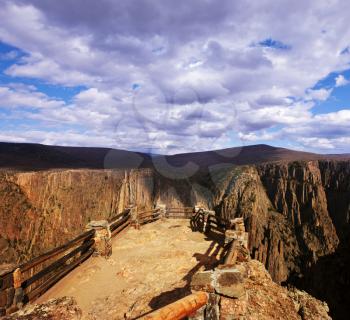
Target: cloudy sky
{"type": "Point", "coordinates": [175, 76]}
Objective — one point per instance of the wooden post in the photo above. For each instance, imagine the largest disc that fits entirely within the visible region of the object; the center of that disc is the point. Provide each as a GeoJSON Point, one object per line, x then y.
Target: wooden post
{"type": "Point", "coordinates": [134, 217]}
{"type": "Point", "coordinates": [17, 278]}
{"type": "Point", "coordinates": [205, 221]}
{"type": "Point", "coordinates": [181, 308]}
{"type": "Point", "coordinates": [231, 255]}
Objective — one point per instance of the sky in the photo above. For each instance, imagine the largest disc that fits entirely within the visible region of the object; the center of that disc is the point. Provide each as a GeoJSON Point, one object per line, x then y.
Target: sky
{"type": "Point", "coordinates": [168, 77]}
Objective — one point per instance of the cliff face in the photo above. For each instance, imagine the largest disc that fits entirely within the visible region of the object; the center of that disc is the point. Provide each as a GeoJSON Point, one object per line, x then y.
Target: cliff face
{"type": "Point", "coordinates": [336, 181]}
{"type": "Point", "coordinates": [41, 210]}
{"type": "Point", "coordinates": [44, 209]}
{"type": "Point", "coordinates": [297, 216]}
{"type": "Point", "coordinates": [291, 209]}
{"type": "Point", "coordinates": [295, 212]}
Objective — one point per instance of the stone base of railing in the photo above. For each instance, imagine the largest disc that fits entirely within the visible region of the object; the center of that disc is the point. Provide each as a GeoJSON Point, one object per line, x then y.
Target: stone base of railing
{"type": "Point", "coordinates": [103, 238]}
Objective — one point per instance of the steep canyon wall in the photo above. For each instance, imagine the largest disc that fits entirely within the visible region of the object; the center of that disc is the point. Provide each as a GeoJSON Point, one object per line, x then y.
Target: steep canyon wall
{"type": "Point", "coordinates": [295, 212]}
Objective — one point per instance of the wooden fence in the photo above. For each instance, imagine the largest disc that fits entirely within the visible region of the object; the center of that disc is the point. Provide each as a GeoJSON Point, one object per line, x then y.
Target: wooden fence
{"type": "Point", "coordinates": [179, 212]}
{"type": "Point", "coordinates": [148, 216]}
{"type": "Point", "coordinates": [192, 306]}
{"type": "Point", "coordinates": [119, 222]}
{"type": "Point", "coordinates": [31, 279]}
{"type": "Point", "coordinates": [151, 215]}
{"type": "Point", "coordinates": [41, 273]}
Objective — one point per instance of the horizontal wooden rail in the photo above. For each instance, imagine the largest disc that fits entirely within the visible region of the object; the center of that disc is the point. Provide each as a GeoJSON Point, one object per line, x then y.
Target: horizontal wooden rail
{"type": "Point", "coordinates": [42, 258]}
{"type": "Point", "coordinates": [155, 215]}
{"type": "Point", "coordinates": [180, 309]}
{"type": "Point", "coordinates": [116, 224]}
{"type": "Point", "coordinates": [56, 277]}
{"type": "Point", "coordinates": [179, 211]}
{"type": "Point", "coordinates": [119, 215]}
{"type": "Point", "coordinates": [148, 213]}
{"type": "Point", "coordinates": [145, 212]}
{"type": "Point", "coordinates": [152, 215]}
{"type": "Point", "coordinates": [120, 227]}
{"type": "Point", "coordinates": [57, 264]}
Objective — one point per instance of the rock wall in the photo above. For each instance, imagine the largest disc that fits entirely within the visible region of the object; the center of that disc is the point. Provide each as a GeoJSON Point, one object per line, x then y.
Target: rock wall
{"type": "Point", "coordinates": [336, 181]}
{"type": "Point", "coordinates": [41, 210]}
{"type": "Point", "coordinates": [44, 209]}
{"type": "Point", "coordinates": [294, 212]}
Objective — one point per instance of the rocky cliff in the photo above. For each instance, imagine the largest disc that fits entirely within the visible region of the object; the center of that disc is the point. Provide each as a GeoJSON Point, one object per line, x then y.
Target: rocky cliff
{"type": "Point", "coordinates": [296, 213]}
{"type": "Point", "coordinates": [44, 209]}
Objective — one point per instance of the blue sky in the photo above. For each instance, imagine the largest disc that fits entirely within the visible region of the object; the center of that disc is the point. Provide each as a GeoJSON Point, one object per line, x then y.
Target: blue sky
{"type": "Point", "coordinates": [144, 75]}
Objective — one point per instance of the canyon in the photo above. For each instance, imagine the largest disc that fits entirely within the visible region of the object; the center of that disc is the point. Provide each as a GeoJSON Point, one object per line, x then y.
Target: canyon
{"type": "Point", "coordinates": [296, 207]}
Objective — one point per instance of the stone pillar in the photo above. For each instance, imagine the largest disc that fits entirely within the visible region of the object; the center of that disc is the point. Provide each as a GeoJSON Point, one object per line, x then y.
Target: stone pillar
{"type": "Point", "coordinates": [227, 283]}
{"type": "Point", "coordinates": [103, 239]}
{"type": "Point", "coordinates": [162, 209]}
{"type": "Point", "coordinates": [237, 232]}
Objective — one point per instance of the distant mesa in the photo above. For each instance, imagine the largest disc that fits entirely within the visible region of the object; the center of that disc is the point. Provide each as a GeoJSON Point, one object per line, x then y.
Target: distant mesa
{"type": "Point", "coordinates": [29, 156]}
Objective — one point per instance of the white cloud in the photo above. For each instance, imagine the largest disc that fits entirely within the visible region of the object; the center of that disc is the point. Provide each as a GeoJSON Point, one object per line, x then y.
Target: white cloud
{"type": "Point", "coordinates": [341, 81]}
{"type": "Point", "coordinates": [320, 94]}
{"type": "Point", "coordinates": [25, 96]}
{"type": "Point", "coordinates": [201, 77]}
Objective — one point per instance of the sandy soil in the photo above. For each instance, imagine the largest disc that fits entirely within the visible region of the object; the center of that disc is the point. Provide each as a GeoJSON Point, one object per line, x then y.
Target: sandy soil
{"type": "Point", "coordinates": [148, 269]}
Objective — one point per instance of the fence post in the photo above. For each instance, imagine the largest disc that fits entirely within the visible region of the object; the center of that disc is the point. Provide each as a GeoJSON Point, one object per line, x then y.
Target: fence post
{"type": "Point", "coordinates": [103, 239]}
{"type": "Point", "coordinates": [10, 286]}
{"type": "Point", "coordinates": [17, 284]}
{"type": "Point", "coordinates": [134, 217]}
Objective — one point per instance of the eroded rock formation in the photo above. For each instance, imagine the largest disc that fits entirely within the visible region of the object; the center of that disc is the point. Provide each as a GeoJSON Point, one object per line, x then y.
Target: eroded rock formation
{"type": "Point", "coordinates": [295, 212]}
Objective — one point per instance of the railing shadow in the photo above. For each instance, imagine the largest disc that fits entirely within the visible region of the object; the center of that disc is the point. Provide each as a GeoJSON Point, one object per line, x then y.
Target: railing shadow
{"type": "Point", "coordinates": [213, 257]}
{"type": "Point", "coordinates": [207, 261]}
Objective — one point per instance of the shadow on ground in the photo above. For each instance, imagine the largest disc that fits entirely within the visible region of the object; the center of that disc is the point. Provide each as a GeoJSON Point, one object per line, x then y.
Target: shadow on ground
{"type": "Point", "coordinates": [209, 260]}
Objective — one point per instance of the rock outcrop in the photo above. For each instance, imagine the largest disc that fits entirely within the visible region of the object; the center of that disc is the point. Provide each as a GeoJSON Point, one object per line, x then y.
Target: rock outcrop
{"type": "Point", "coordinates": [297, 215]}
{"type": "Point", "coordinates": [64, 308]}
{"type": "Point", "coordinates": [267, 300]}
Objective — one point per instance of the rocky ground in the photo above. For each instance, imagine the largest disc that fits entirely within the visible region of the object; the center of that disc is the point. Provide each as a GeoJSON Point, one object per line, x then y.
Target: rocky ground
{"type": "Point", "coordinates": [267, 300]}
{"type": "Point", "coordinates": [153, 267]}
{"type": "Point", "coordinates": [148, 269]}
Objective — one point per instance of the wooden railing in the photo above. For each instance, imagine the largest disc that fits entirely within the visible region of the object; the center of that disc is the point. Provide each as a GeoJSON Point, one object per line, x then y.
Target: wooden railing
{"type": "Point", "coordinates": [179, 212]}
{"type": "Point", "coordinates": [205, 221]}
{"type": "Point", "coordinates": [31, 279]}
{"type": "Point", "coordinates": [42, 272]}
{"type": "Point", "coordinates": [119, 222]}
{"type": "Point", "coordinates": [148, 216]}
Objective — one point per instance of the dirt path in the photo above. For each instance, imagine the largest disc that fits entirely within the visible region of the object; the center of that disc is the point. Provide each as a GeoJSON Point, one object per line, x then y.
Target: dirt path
{"type": "Point", "coordinates": [149, 268]}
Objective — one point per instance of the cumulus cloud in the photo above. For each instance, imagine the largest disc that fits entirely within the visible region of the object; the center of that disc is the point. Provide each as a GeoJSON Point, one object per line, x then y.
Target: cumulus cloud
{"type": "Point", "coordinates": [16, 96]}
{"type": "Point", "coordinates": [341, 81]}
{"type": "Point", "coordinates": [173, 77]}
